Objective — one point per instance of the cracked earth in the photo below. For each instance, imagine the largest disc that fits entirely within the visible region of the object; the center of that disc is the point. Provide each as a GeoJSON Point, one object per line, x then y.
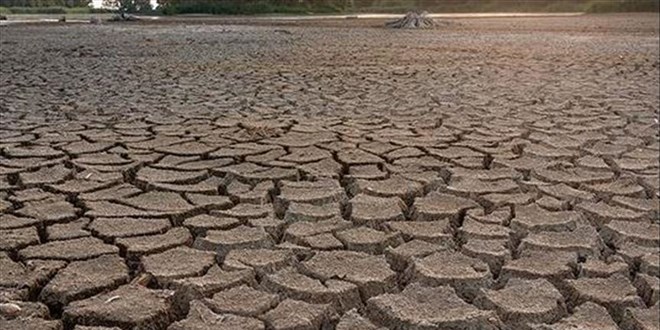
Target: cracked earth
{"type": "Point", "coordinates": [490, 174]}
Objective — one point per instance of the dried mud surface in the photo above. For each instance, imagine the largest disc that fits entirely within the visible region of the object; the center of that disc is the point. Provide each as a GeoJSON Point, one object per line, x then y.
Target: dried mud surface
{"type": "Point", "coordinates": [205, 174]}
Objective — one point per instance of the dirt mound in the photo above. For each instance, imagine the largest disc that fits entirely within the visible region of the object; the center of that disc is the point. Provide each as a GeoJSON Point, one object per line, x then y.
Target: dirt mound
{"type": "Point", "coordinates": [413, 20]}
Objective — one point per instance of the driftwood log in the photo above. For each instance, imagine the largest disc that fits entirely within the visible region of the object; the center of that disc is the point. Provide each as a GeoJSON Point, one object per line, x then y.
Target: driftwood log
{"type": "Point", "coordinates": [413, 20]}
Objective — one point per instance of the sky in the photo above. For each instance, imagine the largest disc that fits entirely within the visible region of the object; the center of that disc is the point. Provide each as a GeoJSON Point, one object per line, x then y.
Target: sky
{"type": "Point", "coordinates": [98, 3]}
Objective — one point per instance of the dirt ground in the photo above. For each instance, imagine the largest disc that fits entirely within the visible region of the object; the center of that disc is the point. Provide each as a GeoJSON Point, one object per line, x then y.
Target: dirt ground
{"type": "Point", "coordinates": [225, 173]}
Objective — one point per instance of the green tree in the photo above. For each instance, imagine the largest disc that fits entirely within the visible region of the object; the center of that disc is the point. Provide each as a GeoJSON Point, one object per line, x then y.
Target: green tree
{"type": "Point", "coordinates": [129, 6]}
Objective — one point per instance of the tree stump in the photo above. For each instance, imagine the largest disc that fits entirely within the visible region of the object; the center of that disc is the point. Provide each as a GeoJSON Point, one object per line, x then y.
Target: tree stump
{"type": "Point", "coordinates": [413, 20]}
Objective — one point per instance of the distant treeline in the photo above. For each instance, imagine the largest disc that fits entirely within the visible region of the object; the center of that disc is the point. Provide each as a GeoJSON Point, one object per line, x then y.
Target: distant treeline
{"type": "Point", "coordinates": [301, 6]}
{"type": "Point", "coordinates": [45, 3]}
{"type": "Point", "coordinates": [171, 7]}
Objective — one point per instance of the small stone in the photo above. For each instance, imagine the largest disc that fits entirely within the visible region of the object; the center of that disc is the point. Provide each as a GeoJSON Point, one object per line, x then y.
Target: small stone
{"type": "Point", "coordinates": [13, 309]}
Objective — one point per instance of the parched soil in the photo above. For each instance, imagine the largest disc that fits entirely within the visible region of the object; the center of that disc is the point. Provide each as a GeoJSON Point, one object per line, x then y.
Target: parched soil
{"type": "Point", "coordinates": [190, 173]}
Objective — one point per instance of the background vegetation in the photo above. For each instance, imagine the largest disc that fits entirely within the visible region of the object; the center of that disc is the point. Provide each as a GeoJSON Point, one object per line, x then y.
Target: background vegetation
{"type": "Point", "coordinates": [317, 6]}
{"type": "Point", "coordinates": [247, 7]}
